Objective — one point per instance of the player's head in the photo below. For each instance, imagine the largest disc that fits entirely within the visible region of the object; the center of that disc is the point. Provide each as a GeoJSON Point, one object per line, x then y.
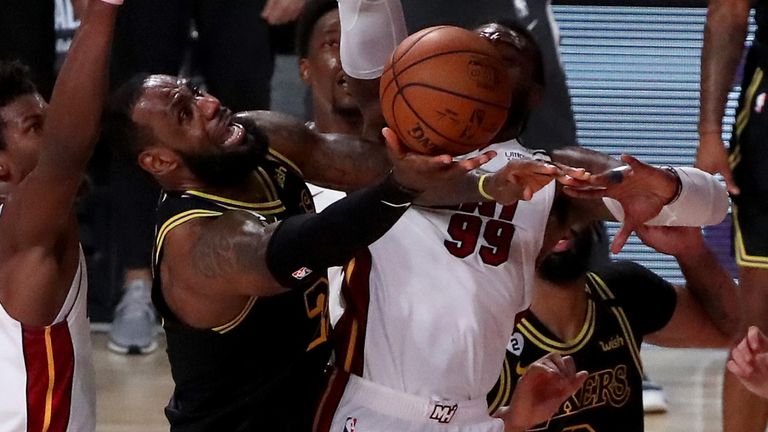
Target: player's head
{"type": "Point", "coordinates": [525, 66]}
{"type": "Point", "coordinates": [570, 258]}
{"type": "Point", "coordinates": [22, 115]}
{"type": "Point", "coordinates": [181, 135]}
{"type": "Point", "coordinates": [318, 35]}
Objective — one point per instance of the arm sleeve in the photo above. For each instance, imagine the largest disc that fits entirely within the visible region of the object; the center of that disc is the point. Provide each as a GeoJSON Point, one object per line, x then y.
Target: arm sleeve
{"type": "Point", "coordinates": [648, 300]}
{"type": "Point", "coordinates": [306, 244]}
{"type": "Point", "coordinates": [370, 32]}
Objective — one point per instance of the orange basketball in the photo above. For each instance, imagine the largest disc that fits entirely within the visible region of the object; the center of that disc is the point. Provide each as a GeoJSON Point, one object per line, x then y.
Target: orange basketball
{"type": "Point", "coordinates": [445, 90]}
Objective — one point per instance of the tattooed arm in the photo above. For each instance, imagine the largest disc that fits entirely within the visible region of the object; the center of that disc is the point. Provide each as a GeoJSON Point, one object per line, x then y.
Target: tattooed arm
{"type": "Point", "coordinates": [226, 255]}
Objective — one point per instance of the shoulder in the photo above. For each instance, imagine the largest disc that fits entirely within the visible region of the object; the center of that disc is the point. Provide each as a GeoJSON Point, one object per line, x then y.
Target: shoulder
{"type": "Point", "coordinates": [621, 272]}
{"type": "Point", "coordinates": [634, 288]}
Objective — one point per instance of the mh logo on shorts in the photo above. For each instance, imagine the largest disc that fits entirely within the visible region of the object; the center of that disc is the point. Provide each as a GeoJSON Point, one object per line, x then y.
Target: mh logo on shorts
{"type": "Point", "coordinates": [443, 413]}
{"type": "Point", "coordinates": [349, 425]}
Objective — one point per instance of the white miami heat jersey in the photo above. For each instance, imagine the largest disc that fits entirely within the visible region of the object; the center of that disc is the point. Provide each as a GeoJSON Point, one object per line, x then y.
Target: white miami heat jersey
{"type": "Point", "coordinates": [432, 303]}
{"type": "Point", "coordinates": [47, 372]}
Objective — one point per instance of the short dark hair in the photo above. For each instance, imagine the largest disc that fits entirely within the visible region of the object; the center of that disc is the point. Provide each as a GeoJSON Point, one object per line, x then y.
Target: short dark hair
{"type": "Point", "coordinates": [118, 130]}
{"type": "Point", "coordinates": [313, 11]}
{"type": "Point", "coordinates": [15, 81]}
{"type": "Point", "coordinates": [530, 43]}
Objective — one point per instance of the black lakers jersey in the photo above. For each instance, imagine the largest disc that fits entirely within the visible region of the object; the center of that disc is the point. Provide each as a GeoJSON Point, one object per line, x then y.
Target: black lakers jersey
{"type": "Point", "coordinates": [626, 302]}
{"type": "Point", "coordinates": [263, 370]}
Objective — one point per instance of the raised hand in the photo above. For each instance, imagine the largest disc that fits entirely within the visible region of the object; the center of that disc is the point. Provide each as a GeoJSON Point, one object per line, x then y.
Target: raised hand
{"type": "Point", "coordinates": [749, 362]}
{"type": "Point", "coordinates": [423, 172]}
{"type": "Point", "coordinates": [278, 12]}
{"type": "Point", "coordinates": [712, 158]}
{"type": "Point", "coordinates": [641, 189]}
{"type": "Point", "coordinates": [546, 384]}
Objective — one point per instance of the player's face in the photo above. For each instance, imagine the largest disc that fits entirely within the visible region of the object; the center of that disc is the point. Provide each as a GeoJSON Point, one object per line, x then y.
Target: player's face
{"type": "Point", "coordinates": [322, 71]}
{"type": "Point", "coordinates": [192, 127]}
{"type": "Point", "coordinates": [569, 258]}
{"type": "Point", "coordinates": [22, 130]}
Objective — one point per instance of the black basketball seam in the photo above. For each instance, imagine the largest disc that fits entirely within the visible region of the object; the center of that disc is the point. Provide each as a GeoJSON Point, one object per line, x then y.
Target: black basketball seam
{"type": "Point", "coordinates": [431, 56]}
{"type": "Point", "coordinates": [394, 60]}
{"type": "Point", "coordinates": [397, 84]}
{"type": "Point", "coordinates": [425, 122]}
{"type": "Point", "coordinates": [395, 73]}
{"type": "Point", "coordinates": [431, 87]}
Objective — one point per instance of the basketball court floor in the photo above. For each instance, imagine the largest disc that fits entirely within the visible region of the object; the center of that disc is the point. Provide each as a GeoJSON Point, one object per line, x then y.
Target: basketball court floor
{"type": "Point", "coordinates": [132, 390]}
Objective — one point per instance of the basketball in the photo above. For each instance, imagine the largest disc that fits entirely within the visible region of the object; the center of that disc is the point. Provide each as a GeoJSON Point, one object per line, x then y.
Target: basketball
{"type": "Point", "coordinates": [445, 90]}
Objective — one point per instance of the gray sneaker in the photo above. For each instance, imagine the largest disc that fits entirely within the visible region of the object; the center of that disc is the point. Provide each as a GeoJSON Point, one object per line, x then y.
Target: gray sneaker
{"type": "Point", "coordinates": [134, 327]}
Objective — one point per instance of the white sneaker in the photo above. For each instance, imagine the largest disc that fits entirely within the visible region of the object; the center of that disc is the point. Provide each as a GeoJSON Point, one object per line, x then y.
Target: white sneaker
{"type": "Point", "coordinates": [134, 327]}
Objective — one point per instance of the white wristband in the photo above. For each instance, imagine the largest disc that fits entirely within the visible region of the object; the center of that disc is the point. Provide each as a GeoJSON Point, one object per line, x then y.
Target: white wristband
{"type": "Point", "coordinates": [703, 201]}
{"type": "Point", "coordinates": [370, 32]}
{"type": "Point", "coordinates": [114, 2]}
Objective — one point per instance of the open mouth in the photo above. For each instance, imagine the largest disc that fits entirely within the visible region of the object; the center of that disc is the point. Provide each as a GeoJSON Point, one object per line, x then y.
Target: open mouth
{"type": "Point", "coordinates": [562, 245]}
{"type": "Point", "coordinates": [235, 133]}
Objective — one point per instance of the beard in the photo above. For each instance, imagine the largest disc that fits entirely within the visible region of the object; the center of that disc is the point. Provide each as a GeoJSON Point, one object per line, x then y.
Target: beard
{"type": "Point", "coordinates": [569, 265]}
{"type": "Point", "coordinates": [230, 167]}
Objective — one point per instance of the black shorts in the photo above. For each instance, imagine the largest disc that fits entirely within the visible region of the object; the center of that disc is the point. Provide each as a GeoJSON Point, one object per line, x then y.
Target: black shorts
{"type": "Point", "coordinates": [749, 161]}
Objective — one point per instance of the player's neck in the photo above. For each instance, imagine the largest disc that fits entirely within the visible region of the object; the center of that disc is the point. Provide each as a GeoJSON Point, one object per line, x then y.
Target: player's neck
{"type": "Point", "coordinates": [562, 308]}
{"type": "Point", "coordinates": [332, 122]}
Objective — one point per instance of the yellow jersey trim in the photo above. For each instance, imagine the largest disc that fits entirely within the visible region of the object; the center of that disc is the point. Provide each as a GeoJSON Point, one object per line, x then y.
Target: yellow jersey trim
{"type": "Point", "coordinates": [269, 184]}
{"type": "Point", "coordinates": [742, 257]}
{"type": "Point", "coordinates": [285, 160]}
{"type": "Point", "coordinates": [626, 328]}
{"type": "Point", "coordinates": [547, 344]}
{"type": "Point", "coordinates": [176, 221]}
{"type": "Point", "coordinates": [743, 117]}
{"type": "Point", "coordinates": [504, 388]}
{"type": "Point", "coordinates": [238, 319]}
{"type": "Point", "coordinates": [268, 207]}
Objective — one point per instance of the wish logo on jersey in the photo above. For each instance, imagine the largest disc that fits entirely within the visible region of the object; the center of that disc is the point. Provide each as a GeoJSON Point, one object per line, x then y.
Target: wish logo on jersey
{"type": "Point", "coordinates": [350, 424]}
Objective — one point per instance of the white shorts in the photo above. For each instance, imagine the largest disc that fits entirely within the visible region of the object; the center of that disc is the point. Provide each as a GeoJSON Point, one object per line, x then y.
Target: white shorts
{"type": "Point", "coordinates": [369, 407]}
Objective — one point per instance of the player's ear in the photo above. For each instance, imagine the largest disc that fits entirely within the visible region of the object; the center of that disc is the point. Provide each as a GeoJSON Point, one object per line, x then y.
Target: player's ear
{"type": "Point", "coordinates": [158, 161]}
{"type": "Point", "coordinates": [6, 169]}
{"type": "Point", "coordinates": [304, 70]}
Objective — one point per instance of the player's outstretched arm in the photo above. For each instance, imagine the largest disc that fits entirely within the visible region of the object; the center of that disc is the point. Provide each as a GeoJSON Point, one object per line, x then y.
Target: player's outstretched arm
{"type": "Point", "coordinates": [707, 311]}
{"type": "Point", "coordinates": [638, 193]}
{"type": "Point", "coordinates": [349, 163]}
{"type": "Point", "coordinates": [546, 384]}
{"type": "Point", "coordinates": [749, 362]}
{"type": "Point", "coordinates": [337, 161]}
{"type": "Point", "coordinates": [41, 206]}
{"type": "Point", "coordinates": [724, 35]}
{"type": "Point", "coordinates": [237, 254]}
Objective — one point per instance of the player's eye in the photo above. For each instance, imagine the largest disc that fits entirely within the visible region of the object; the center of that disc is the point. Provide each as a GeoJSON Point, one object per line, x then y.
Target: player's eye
{"type": "Point", "coordinates": [196, 91]}
{"type": "Point", "coordinates": [185, 114]}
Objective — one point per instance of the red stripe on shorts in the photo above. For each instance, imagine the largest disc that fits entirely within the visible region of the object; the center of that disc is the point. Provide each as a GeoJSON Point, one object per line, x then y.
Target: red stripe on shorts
{"type": "Point", "coordinates": [50, 362]}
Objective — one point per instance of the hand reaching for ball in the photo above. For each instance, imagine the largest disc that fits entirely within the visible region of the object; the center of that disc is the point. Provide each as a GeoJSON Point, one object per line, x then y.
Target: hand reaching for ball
{"type": "Point", "coordinates": [424, 172]}
{"type": "Point", "coordinates": [521, 178]}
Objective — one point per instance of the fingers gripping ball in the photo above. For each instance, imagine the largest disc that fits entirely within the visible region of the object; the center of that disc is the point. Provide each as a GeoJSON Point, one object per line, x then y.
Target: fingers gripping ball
{"type": "Point", "coordinates": [445, 90]}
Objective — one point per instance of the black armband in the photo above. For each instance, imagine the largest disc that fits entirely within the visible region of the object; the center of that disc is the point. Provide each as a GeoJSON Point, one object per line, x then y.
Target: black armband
{"type": "Point", "coordinates": [307, 244]}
